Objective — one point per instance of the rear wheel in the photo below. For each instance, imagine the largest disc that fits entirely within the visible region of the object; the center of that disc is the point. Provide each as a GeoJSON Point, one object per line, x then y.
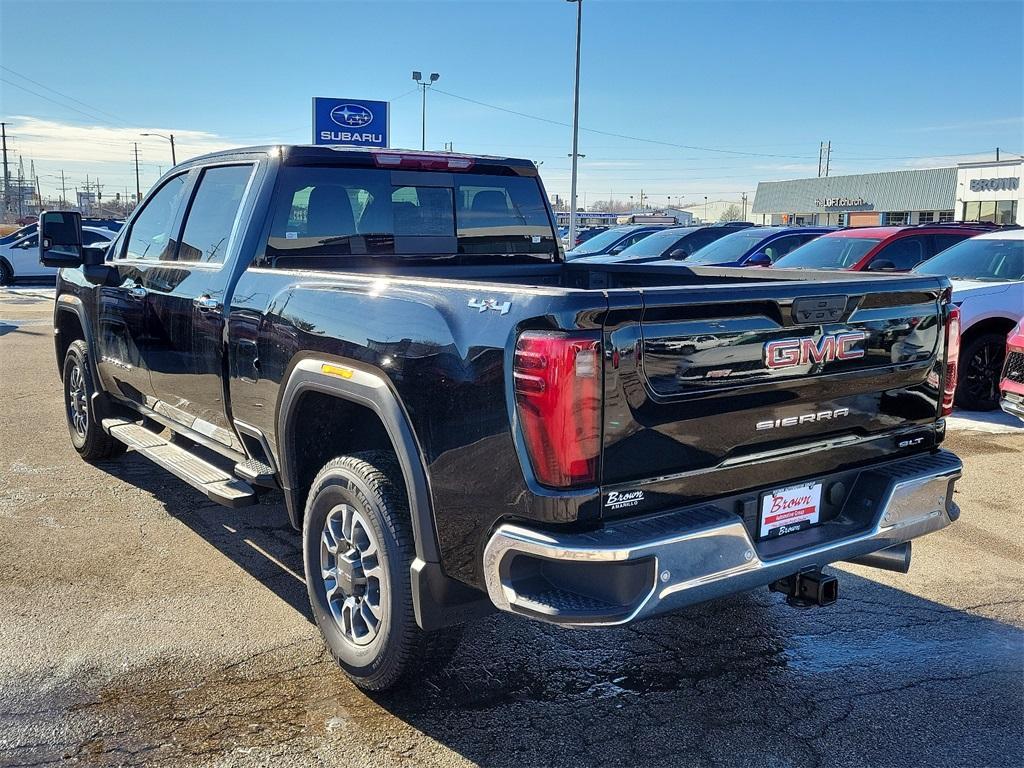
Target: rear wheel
{"type": "Point", "coordinates": [87, 436]}
{"type": "Point", "coordinates": [981, 364]}
{"type": "Point", "coordinates": [357, 549]}
{"type": "Point", "coordinates": [6, 273]}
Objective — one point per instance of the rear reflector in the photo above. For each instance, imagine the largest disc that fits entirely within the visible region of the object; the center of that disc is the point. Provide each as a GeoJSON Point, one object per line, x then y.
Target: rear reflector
{"type": "Point", "coordinates": [422, 161]}
{"type": "Point", "coordinates": [952, 359]}
{"type": "Point", "coordinates": [557, 383]}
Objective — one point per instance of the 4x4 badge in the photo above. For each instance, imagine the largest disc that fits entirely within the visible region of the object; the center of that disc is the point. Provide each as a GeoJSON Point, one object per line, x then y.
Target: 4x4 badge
{"type": "Point", "coordinates": [501, 307]}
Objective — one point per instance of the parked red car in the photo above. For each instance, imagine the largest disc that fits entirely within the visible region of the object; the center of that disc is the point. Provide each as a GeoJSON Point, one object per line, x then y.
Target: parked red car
{"type": "Point", "coordinates": [1011, 387]}
{"type": "Point", "coordinates": [878, 249]}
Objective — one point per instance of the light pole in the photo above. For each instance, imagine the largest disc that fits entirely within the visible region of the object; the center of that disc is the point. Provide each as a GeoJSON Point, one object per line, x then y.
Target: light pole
{"type": "Point", "coordinates": [705, 209]}
{"type": "Point", "coordinates": [575, 125]}
{"type": "Point", "coordinates": [418, 77]}
{"type": "Point", "coordinates": [174, 160]}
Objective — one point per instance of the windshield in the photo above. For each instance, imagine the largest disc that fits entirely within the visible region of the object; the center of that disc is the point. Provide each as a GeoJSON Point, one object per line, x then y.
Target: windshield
{"type": "Point", "coordinates": [828, 253]}
{"type": "Point", "coordinates": [728, 248]}
{"type": "Point", "coordinates": [599, 243]}
{"type": "Point", "coordinates": [18, 234]}
{"type": "Point", "coordinates": [975, 259]}
{"type": "Point", "coordinates": [360, 216]}
{"type": "Point", "coordinates": [656, 244]}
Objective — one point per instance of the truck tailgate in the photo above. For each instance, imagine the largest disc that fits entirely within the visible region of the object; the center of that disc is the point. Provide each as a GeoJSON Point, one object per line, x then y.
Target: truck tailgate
{"type": "Point", "coordinates": [717, 388]}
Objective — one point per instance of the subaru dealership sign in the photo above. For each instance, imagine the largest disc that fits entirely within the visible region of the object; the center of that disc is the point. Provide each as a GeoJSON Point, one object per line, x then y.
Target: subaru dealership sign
{"type": "Point", "coordinates": [357, 122]}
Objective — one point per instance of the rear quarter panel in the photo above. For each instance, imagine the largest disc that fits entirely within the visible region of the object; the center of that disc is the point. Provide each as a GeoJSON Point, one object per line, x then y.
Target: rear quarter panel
{"type": "Point", "coordinates": [446, 362]}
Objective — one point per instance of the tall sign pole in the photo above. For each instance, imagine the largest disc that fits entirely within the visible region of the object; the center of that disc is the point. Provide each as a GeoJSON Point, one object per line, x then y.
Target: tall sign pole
{"type": "Point", "coordinates": [575, 126]}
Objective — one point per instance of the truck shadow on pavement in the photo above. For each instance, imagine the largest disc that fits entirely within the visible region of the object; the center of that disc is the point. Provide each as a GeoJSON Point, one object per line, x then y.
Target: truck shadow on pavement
{"type": "Point", "coordinates": [882, 678]}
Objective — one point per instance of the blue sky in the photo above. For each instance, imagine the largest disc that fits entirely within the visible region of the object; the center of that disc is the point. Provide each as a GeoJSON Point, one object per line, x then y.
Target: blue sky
{"type": "Point", "coordinates": [892, 84]}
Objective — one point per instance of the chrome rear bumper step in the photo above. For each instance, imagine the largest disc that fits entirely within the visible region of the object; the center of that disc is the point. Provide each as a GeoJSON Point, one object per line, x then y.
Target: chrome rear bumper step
{"type": "Point", "coordinates": [632, 569]}
{"type": "Point", "coordinates": [215, 483]}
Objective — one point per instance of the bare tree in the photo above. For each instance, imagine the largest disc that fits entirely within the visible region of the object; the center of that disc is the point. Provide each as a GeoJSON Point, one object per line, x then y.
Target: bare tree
{"type": "Point", "coordinates": [732, 213]}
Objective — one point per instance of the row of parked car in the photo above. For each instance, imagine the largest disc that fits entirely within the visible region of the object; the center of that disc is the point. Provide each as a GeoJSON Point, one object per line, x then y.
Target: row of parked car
{"type": "Point", "coordinates": [985, 264]}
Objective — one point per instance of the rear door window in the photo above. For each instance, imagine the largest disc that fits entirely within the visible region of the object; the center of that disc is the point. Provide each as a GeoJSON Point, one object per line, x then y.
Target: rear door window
{"type": "Point", "coordinates": [211, 216]}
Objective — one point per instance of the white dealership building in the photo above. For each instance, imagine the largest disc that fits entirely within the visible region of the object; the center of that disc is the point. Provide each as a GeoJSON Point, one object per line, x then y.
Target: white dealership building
{"type": "Point", "coordinates": [983, 191]}
{"type": "Point", "coordinates": [990, 192]}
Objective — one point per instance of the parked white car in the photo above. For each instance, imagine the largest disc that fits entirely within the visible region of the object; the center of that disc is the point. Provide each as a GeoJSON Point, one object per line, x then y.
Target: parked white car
{"type": "Point", "coordinates": [19, 258]}
{"type": "Point", "coordinates": [987, 272]}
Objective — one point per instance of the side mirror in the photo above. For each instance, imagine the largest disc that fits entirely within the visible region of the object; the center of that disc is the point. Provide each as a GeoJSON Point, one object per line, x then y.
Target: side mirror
{"type": "Point", "coordinates": [881, 265]}
{"type": "Point", "coordinates": [759, 259]}
{"type": "Point", "coordinates": [60, 239]}
{"type": "Point", "coordinates": [617, 250]}
{"type": "Point", "coordinates": [678, 253]}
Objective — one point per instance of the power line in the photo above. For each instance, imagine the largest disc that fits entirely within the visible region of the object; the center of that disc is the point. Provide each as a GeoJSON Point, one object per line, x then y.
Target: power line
{"type": "Point", "coordinates": [622, 135]}
{"type": "Point", "coordinates": [54, 101]}
{"type": "Point", "coordinates": [64, 95]}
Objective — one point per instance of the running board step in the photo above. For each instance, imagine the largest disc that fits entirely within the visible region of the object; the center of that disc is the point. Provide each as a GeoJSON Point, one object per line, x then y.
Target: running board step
{"type": "Point", "coordinates": [218, 485]}
{"type": "Point", "coordinates": [256, 472]}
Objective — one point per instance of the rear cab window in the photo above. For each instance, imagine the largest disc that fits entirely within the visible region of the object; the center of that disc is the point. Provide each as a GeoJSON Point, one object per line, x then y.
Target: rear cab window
{"type": "Point", "coordinates": [329, 216]}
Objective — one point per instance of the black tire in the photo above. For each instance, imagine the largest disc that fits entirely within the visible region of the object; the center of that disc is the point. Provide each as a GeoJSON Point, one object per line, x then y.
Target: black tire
{"type": "Point", "coordinates": [6, 273]}
{"type": "Point", "coordinates": [979, 369]}
{"type": "Point", "coordinates": [370, 485]}
{"type": "Point", "coordinates": [87, 436]}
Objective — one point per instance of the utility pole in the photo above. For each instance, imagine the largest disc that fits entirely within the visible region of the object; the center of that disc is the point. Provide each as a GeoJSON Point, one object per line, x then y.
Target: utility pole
{"type": "Point", "coordinates": [138, 190]}
{"type": "Point", "coordinates": [997, 154]}
{"type": "Point", "coordinates": [828, 156]}
{"type": "Point", "coordinates": [63, 190]}
{"type": "Point", "coordinates": [7, 174]}
{"type": "Point", "coordinates": [821, 156]}
{"type": "Point", "coordinates": [744, 198]}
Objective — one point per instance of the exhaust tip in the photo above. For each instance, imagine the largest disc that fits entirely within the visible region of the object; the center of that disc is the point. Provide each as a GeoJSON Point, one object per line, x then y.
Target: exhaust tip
{"type": "Point", "coordinates": [895, 558]}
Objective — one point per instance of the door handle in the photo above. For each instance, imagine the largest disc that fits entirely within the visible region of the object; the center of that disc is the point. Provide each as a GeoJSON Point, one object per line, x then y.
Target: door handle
{"type": "Point", "coordinates": [137, 292]}
{"type": "Point", "coordinates": [206, 303]}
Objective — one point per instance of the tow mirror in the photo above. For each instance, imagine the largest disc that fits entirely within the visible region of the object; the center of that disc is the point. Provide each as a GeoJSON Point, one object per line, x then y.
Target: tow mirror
{"type": "Point", "coordinates": [60, 239]}
{"type": "Point", "coordinates": [759, 259]}
{"type": "Point", "coordinates": [881, 265]}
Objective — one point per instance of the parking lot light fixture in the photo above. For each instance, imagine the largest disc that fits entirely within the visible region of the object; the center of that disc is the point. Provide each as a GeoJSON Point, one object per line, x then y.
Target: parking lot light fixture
{"type": "Point", "coordinates": [575, 125]}
{"type": "Point", "coordinates": [424, 84]}
{"type": "Point", "coordinates": [174, 160]}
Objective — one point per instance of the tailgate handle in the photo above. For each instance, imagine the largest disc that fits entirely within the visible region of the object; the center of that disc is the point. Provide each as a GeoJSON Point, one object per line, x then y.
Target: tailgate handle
{"type": "Point", "coordinates": [819, 309]}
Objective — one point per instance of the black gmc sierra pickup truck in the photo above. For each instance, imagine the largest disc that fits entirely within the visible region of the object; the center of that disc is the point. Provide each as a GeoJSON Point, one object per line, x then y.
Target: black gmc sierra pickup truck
{"type": "Point", "coordinates": [460, 420]}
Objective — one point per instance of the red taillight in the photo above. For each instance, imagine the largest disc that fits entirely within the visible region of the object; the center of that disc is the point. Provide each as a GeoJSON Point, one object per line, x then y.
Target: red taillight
{"type": "Point", "coordinates": [952, 359]}
{"type": "Point", "coordinates": [422, 162]}
{"type": "Point", "coordinates": [557, 382]}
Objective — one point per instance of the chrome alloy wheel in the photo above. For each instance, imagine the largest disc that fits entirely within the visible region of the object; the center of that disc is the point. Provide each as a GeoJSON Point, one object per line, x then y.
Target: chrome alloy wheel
{"type": "Point", "coordinates": [78, 406]}
{"type": "Point", "coordinates": [354, 579]}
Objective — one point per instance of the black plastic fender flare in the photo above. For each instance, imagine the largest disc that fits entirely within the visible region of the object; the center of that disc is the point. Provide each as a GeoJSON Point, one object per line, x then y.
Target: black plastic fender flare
{"type": "Point", "coordinates": [357, 385]}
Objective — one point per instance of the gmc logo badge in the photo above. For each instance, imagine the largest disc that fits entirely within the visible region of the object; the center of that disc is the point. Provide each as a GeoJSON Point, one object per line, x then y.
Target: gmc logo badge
{"type": "Point", "coordinates": [787, 353]}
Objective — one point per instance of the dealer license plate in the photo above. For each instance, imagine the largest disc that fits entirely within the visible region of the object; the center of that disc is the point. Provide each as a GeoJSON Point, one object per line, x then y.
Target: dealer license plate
{"type": "Point", "coordinates": [791, 509]}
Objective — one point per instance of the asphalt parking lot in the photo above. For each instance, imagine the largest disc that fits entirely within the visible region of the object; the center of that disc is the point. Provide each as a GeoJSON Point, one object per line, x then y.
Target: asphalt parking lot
{"type": "Point", "coordinates": [141, 624]}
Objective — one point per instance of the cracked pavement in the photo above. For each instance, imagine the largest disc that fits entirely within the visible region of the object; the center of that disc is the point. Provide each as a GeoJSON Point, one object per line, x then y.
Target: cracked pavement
{"type": "Point", "coordinates": [142, 624]}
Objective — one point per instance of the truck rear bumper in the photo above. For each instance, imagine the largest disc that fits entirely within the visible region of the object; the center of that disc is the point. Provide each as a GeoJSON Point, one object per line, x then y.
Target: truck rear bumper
{"type": "Point", "coordinates": [636, 568]}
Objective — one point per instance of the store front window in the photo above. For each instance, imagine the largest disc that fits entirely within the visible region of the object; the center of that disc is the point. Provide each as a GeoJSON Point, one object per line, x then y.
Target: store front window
{"type": "Point", "coordinates": [991, 211]}
{"type": "Point", "coordinates": [945, 217]}
{"type": "Point", "coordinates": [896, 218]}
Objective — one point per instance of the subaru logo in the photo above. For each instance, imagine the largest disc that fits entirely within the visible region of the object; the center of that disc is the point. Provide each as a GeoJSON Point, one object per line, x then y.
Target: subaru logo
{"type": "Point", "coordinates": [351, 116]}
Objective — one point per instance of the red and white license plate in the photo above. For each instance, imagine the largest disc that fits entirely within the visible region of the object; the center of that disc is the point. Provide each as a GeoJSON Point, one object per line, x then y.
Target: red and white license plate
{"type": "Point", "coordinates": [790, 509]}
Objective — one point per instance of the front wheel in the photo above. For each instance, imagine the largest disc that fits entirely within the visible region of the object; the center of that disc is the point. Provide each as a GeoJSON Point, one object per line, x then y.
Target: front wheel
{"type": "Point", "coordinates": [6, 273]}
{"type": "Point", "coordinates": [357, 550]}
{"type": "Point", "coordinates": [981, 365]}
{"type": "Point", "coordinates": [87, 435]}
